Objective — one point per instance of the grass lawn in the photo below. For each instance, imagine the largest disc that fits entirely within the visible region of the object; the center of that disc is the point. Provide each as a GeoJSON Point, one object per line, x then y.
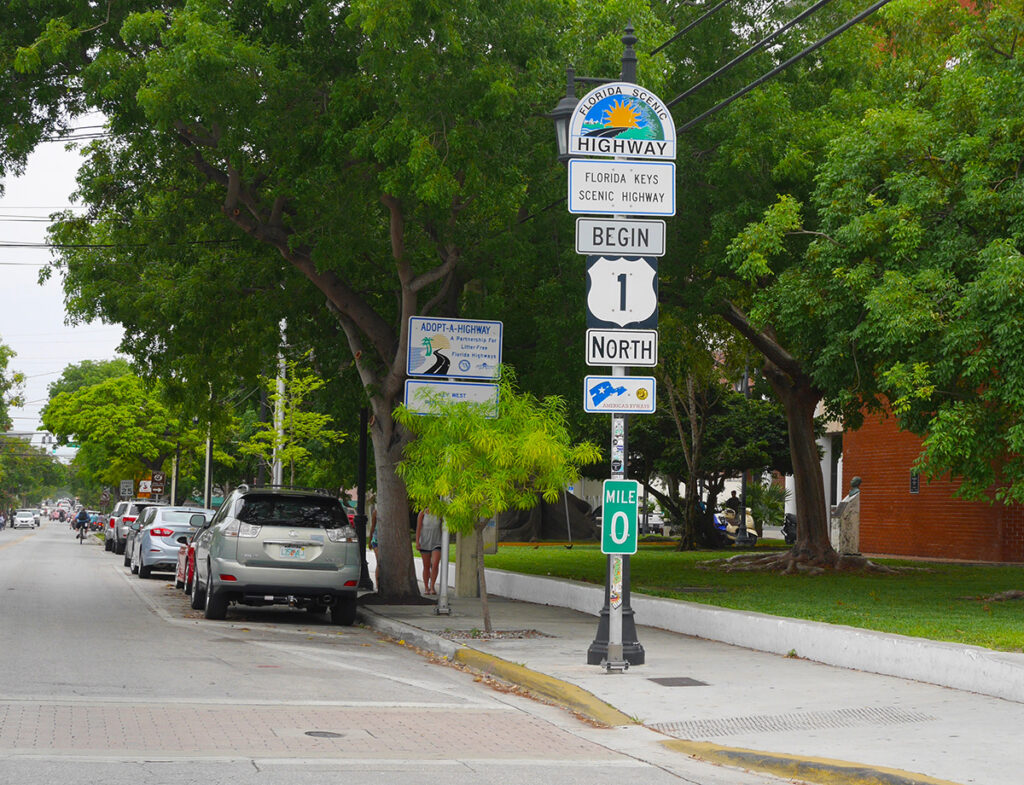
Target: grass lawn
{"type": "Point", "coordinates": [932, 600]}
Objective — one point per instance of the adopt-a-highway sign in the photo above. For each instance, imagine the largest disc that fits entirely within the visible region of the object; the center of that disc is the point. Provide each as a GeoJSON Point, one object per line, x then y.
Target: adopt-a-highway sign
{"type": "Point", "coordinates": [620, 500]}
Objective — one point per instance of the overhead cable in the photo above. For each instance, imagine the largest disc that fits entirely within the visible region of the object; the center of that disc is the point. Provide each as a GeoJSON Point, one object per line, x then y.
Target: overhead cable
{"type": "Point", "coordinates": [782, 67]}
{"type": "Point", "coordinates": [752, 50]}
{"type": "Point", "coordinates": [689, 27]}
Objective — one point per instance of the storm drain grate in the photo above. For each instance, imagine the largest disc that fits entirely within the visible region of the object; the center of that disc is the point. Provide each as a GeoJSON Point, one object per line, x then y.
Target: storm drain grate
{"type": "Point", "coordinates": [678, 681]}
{"type": "Point", "coordinates": [777, 723]}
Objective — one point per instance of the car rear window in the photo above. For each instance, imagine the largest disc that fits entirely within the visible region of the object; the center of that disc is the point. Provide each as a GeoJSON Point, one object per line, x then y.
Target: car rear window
{"type": "Point", "coordinates": [178, 516]}
{"type": "Point", "coordinates": [278, 510]}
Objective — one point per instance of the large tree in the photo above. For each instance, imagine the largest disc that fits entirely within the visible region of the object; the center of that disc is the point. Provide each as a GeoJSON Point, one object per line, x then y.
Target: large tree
{"type": "Point", "coordinates": [381, 151]}
{"type": "Point", "coordinates": [874, 255]}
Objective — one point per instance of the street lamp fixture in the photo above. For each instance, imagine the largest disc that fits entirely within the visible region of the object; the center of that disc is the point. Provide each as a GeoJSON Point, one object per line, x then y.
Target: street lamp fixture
{"type": "Point", "coordinates": [562, 113]}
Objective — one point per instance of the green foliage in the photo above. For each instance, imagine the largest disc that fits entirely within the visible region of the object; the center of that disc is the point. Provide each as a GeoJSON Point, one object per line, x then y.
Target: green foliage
{"type": "Point", "coordinates": [10, 387]}
{"type": "Point", "coordinates": [300, 428]}
{"type": "Point", "coordinates": [469, 466]}
{"type": "Point", "coordinates": [27, 474]}
{"type": "Point", "coordinates": [122, 425]}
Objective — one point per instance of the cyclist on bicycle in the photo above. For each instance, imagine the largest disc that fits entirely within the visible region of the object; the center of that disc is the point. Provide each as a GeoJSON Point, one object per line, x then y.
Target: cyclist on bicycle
{"type": "Point", "coordinates": [82, 519]}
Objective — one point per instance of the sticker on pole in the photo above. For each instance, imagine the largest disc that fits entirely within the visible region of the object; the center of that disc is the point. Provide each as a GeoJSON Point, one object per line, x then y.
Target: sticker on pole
{"type": "Point", "coordinates": [619, 503]}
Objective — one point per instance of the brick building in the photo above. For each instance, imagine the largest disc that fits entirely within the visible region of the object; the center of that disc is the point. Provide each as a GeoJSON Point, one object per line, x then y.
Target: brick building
{"type": "Point", "coordinates": [902, 514]}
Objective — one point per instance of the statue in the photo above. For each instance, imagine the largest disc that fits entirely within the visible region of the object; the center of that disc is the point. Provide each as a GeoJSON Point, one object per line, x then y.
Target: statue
{"type": "Point", "coordinates": [849, 520]}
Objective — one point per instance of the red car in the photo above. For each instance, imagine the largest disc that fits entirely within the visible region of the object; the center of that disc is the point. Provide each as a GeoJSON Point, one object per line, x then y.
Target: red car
{"type": "Point", "coordinates": [186, 569]}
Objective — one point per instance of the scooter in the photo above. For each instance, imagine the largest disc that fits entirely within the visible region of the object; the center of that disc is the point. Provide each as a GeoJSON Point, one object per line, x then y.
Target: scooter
{"type": "Point", "coordinates": [734, 534]}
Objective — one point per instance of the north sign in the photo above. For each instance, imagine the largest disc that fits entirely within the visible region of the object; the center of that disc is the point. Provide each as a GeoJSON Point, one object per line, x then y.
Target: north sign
{"type": "Point", "coordinates": [622, 347]}
{"type": "Point", "coordinates": [622, 187]}
{"type": "Point", "coordinates": [611, 236]}
{"type": "Point", "coordinates": [606, 394]}
{"type": "Point", "coordinates": [622, 292]}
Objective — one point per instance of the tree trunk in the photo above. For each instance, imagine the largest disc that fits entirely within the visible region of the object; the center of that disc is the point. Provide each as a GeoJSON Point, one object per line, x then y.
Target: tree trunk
{"type": "Point", "coordinates": [799, 400]}
{"type": "Point", "coordinates": [397, 566]}
{"type": "Point", "coordinates": [485, 608]}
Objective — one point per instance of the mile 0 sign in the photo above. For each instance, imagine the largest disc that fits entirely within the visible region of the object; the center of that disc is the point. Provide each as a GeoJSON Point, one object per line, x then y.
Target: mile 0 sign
{"type": "Point", "coordinates": [619, 504]}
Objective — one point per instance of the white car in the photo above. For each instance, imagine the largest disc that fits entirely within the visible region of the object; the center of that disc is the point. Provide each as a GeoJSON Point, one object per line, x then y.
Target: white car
{"type": "Point", "coordinates": [24, 519]}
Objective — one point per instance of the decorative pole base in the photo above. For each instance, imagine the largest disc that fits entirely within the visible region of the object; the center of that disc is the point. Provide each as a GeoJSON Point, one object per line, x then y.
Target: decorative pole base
{"type": "Point", "coordinates": [632, 650]}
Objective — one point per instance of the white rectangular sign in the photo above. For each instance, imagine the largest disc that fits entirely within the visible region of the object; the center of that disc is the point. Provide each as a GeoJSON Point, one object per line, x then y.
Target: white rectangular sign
{"type": "Point", "coordinates": [421, 394]}
{"type": "Point", "coordinates": [605, 394]}
{"type": "Point", "coordinates": [464, 348]}
{"type": "Point", "coordinates": [622, 187]}
{"type": "Point", "coordinates": [622, 347]}
{"type": "Point", "coordinates": [127, 489]}
{"type": "Point", "coordinates": [607, 236]}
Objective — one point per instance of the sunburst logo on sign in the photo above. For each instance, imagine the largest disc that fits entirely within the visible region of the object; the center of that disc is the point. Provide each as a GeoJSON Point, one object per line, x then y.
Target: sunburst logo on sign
{"type": "Point", "coordinates": [622, 119]}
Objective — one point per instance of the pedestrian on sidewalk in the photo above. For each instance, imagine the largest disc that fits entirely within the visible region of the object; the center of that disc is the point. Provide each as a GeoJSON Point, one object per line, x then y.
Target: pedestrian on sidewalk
{"type": "Point", "coordinates": [428, 542]}
{"type": "Point", "coordinates": [373, 547]}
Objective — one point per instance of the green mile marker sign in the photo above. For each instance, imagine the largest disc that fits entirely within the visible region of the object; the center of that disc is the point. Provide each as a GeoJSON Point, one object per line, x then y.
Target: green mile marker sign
{"type": "Point", "coordinates": [619, 503]}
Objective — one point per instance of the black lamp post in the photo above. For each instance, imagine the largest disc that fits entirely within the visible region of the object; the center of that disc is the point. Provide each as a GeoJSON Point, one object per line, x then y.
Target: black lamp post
{"type": "Point", "coordinates": [632, 650]}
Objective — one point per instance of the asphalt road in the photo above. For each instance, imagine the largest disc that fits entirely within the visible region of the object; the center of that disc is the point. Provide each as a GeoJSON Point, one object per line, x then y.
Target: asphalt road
{"type": "Point", "coordinates": [105, 677]}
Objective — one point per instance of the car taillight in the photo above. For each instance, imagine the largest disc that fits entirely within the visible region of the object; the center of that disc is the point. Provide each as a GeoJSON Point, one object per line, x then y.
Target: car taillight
{"type": "Point", "coordinates": [239, 529]}
{"type": "Point", "coordinates": [129, 519]}
{"type": "Point", "coordinates": [161, 532]}
{"type": "Point", "coordinates": [344, 534]}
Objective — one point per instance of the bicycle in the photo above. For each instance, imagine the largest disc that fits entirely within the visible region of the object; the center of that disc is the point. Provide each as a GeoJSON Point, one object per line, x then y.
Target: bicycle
{"type": "Point", "coordinates": [82, 528]}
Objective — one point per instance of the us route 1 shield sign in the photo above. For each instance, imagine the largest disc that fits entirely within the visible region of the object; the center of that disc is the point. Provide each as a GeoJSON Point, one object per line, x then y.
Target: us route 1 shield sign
{"type": "Point", "coordinates": [622, 291]}
{"type": "Point", "coordinates": [619, 503]}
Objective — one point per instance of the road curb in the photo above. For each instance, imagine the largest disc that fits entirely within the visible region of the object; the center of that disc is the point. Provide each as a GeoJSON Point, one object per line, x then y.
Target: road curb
{"type": "Point", "coordinates": [560, 692]}
{"type": "Point", "coordinates": [812, 770]}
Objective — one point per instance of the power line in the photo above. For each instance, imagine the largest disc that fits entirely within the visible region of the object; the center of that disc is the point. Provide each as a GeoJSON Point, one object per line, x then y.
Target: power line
{"type": "Point", "coordinates": [782, 67]}
{"type": "Point", "coordinates": [689, 27]}
{"type": "Point", "coordinates": [752, 50]}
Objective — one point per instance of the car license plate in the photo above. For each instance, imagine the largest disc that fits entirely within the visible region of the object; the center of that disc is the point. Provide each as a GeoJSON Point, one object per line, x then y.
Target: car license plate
{"type": "Point", "coordinates": [290, 552]}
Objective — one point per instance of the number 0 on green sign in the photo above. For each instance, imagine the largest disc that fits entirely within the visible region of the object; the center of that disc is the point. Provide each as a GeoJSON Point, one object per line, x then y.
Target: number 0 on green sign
{"type": "Point", "coordinates": [619, 502]}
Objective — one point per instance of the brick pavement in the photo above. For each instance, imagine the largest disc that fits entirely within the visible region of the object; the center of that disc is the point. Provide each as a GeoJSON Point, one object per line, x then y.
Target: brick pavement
{"type": "Point", "coordinates": [281, 731]}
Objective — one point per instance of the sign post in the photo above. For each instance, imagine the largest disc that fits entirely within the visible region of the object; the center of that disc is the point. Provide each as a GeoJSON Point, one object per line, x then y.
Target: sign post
{"type": "Point", "coordinates": [628, 123]}
{"type": "Point", "coordinates": [464, 349]}
{"type": "Point", "coordinates": [619, 504]}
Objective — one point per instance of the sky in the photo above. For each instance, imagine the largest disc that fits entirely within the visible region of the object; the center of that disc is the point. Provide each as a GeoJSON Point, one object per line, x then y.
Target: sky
{"type": "Point", "coordinates": [32, 318]}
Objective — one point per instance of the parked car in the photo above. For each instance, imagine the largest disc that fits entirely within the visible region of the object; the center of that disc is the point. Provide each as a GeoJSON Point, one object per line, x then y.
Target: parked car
{"type": "Point", "coordinates": [24, 519]}
{"type": "Point", "coordinates": [271, 546]}
{"type": "Point", "coordinates": [123, 514]}
{"type": "Point", "coordinates": [159, 533]}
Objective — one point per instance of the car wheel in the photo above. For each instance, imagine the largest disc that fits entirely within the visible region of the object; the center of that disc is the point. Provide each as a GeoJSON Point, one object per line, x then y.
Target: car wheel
{"type": "Point", "coordinates": [343, 612]}
{"type": "Point", "coordinates": [119, 547]}
{"type": "Point", "coordinates": [142, 569]}
{"type": "Point", "coordinates": [177, 583]}
{"type": "Point", "coordinates": [133, 565]}
{"type": "Point", "coordinates": [216, 603]}
{"type": "Point", "coordinates": [106, 545]}
{"type": "Point", "coordinates": [127, 559]}
{"type": "Point", "coordinates": [196, 594]}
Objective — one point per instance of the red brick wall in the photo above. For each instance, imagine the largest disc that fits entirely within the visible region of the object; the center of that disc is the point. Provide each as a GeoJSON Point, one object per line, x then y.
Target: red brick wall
{"type": "Point", "coordinates": [930, 523]}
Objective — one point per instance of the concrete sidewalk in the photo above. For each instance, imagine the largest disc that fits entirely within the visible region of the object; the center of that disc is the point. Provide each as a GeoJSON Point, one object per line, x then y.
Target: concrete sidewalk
{"type": "Point", "coordinates": [759, 710]}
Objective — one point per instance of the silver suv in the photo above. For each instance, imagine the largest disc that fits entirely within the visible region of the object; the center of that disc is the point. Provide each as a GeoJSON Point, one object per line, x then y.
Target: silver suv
{"type": "Point", "coordinates": [270, 546]}
{"type": "Point", "coordinates": [121, 517]}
